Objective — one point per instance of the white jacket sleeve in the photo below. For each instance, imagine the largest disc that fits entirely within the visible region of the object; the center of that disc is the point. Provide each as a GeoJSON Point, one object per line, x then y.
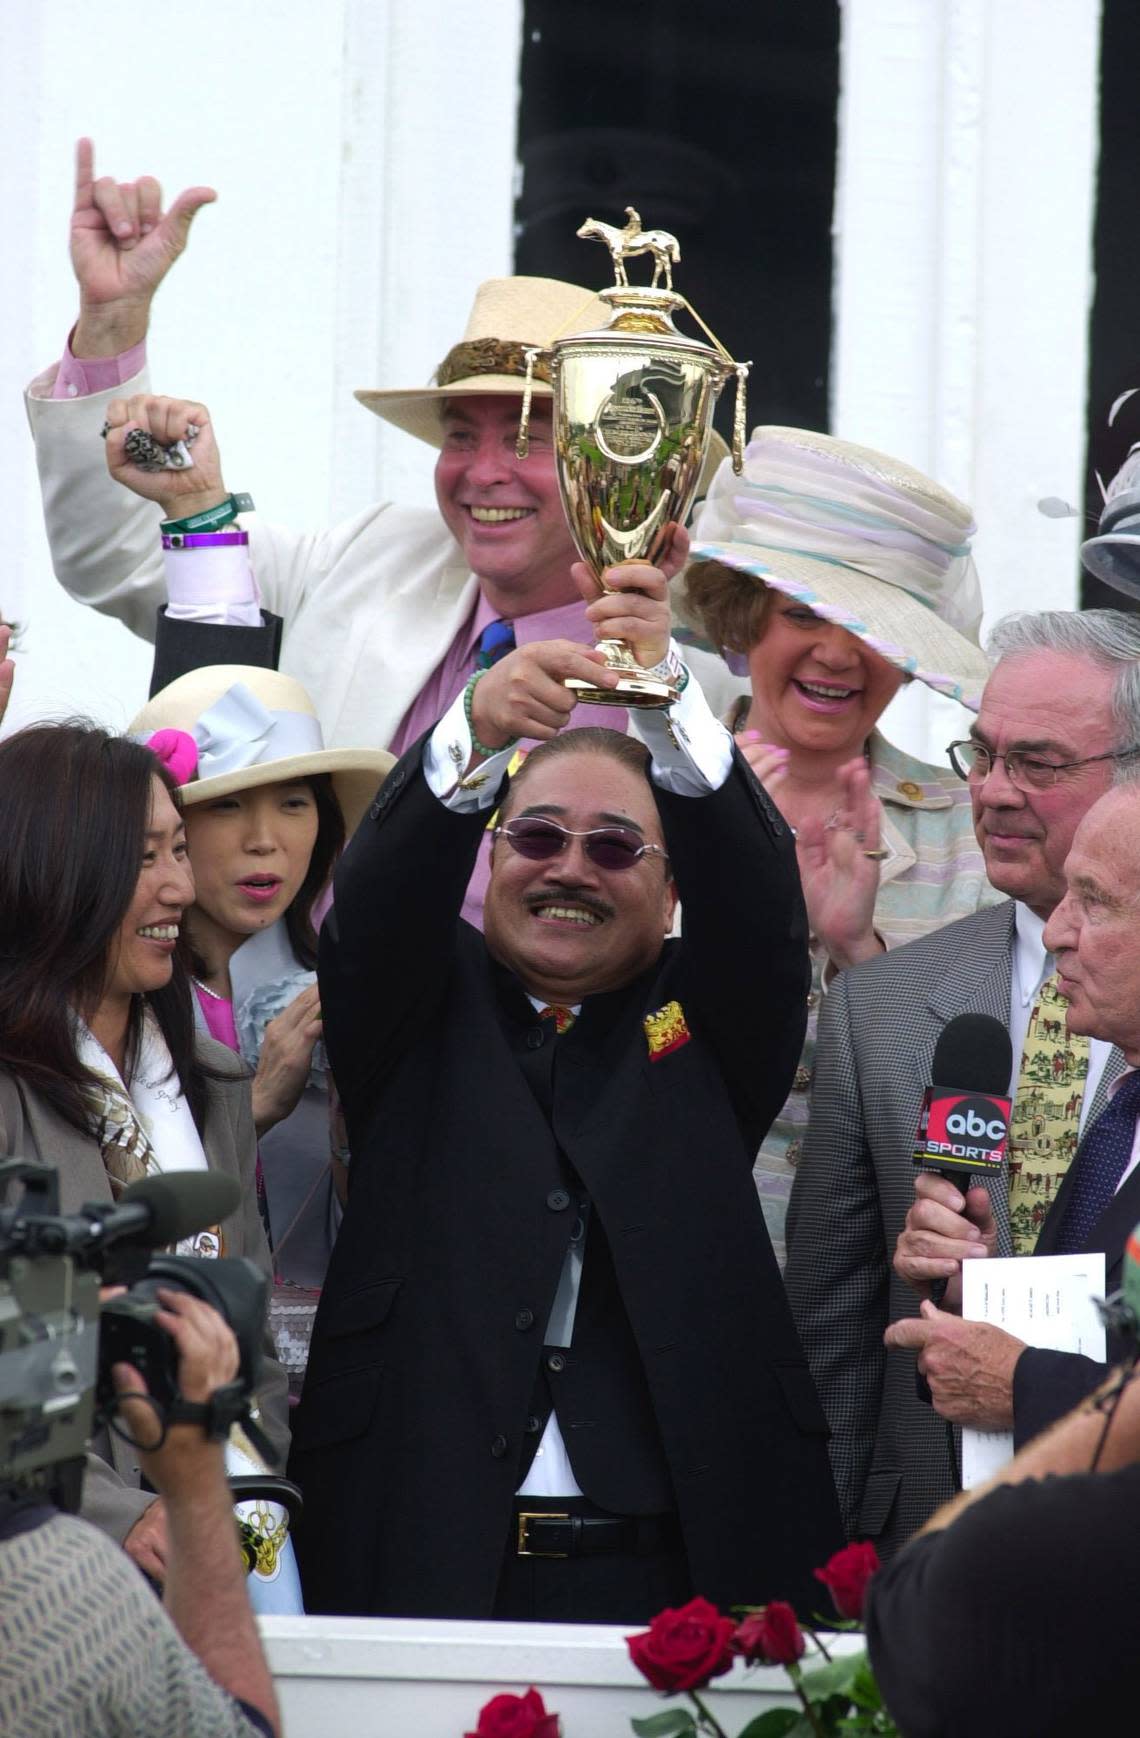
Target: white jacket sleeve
{"type": "Point", "coordinates": [104, 540]}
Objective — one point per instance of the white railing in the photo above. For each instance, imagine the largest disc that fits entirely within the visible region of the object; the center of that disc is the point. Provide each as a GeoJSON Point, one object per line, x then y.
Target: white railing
{"type": "Point", "coordinates": [340, 1677]}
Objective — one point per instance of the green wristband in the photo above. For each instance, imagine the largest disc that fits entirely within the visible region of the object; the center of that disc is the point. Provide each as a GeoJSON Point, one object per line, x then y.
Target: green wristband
{"type": "Point", "coordinates": [480, 747]}
{"type": "Point", "coordinates": [213, 518]}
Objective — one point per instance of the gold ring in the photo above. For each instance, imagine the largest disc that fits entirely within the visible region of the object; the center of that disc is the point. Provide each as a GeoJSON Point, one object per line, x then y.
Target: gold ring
{"type": "Point", "coordinates": [877, 856]}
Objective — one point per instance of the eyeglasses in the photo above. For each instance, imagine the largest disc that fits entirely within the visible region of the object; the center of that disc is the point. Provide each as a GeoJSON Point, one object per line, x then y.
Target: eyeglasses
{"type": "Point", "coordinates": [1027, 771]}
{"type": "Point", "coordinates": [540, 840]}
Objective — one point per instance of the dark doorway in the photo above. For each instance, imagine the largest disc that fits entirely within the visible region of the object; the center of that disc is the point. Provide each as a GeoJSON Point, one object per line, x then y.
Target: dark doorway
{"type": "Point", "coordinates": [1114, 331]}
{"type": "Point", "coordinates": [718, 123]}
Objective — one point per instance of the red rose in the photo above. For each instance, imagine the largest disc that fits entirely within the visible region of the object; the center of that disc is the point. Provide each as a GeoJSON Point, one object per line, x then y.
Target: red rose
{"type": "Point", "coordinates": [771, 1637]}
{"type": "Point", "coordinates": [846, 1576]}
{"type": "Point", "coordinates": [682, 1650]}
{"type": "Point", "coordinates": [516, 1717]}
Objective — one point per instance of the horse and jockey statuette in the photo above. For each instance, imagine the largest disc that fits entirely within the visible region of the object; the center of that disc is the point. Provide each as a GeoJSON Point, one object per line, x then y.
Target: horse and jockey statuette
{"type": "Point", "coordinates": [631, 240]}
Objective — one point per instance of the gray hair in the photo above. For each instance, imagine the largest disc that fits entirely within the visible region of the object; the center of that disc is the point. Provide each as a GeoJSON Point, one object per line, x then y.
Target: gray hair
{"type": "Point", "coordinates": [1110, 639]}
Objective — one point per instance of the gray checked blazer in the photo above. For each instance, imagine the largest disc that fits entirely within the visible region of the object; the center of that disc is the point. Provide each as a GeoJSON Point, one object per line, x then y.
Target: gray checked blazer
{"type": "Point", "coordinates": [893, 1458]}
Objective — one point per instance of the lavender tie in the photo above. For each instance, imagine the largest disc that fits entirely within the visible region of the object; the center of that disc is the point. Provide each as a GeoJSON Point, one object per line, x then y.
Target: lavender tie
{"type": "Point", "coordinates": [1100, 1164]}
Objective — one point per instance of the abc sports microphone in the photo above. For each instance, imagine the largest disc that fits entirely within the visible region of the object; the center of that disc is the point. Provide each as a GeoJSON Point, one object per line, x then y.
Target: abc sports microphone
{"type": "Point", "coordinates": [963, 1125]}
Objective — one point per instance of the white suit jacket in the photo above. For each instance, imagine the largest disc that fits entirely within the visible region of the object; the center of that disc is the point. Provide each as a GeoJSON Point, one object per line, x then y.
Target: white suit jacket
{"type": "Point", "coordinates": [370, 607]}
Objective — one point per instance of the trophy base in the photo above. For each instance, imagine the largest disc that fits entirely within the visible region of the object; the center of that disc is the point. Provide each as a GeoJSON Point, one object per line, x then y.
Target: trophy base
{"type": "Point", "coordinates": [644, 689]}
{"type": "Point", "coordinates": [646, 693]}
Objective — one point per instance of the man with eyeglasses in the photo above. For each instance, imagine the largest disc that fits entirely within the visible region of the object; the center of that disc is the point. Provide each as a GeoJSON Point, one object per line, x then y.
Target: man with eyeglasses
{"type": "Point", "coordinates": [869, 1241]}
{"type": "Point", "coordinates": [554, 1374]}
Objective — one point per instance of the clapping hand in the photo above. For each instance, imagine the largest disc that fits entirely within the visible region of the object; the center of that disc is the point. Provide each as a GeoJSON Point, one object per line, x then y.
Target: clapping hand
{"type": "Point", "coordinates": [285, 1060]}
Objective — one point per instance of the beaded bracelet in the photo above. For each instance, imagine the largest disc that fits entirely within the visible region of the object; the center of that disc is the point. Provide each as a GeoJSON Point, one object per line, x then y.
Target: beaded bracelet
{"type": "Point", "coordinates": [213, 518]}
{"type": "Point", "coordinates": [480, 748]}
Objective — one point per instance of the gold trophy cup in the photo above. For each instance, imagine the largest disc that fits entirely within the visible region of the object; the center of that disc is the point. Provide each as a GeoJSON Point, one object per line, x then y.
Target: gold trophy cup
{"type": "Point", "coordinates": [633, 405]}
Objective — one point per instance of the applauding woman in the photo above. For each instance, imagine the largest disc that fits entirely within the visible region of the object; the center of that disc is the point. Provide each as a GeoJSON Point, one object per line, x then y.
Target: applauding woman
{"type": "Point", "coordinates": [834, 574]}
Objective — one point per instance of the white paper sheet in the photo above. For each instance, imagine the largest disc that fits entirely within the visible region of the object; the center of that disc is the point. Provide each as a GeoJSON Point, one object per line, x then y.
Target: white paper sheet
{"type": "Point", "coordinates": [1045, 1300]}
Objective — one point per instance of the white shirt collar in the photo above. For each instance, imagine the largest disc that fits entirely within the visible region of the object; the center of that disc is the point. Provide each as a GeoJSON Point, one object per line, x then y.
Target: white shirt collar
{"type": "Point", "coordinates": [1031, 963]}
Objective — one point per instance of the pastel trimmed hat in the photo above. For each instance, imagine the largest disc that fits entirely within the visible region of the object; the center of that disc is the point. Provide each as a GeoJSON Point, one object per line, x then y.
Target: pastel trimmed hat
{"type": "Point", "coordinates": [232, 727]}
{"type": "Point", "coordinates": [861, 538]}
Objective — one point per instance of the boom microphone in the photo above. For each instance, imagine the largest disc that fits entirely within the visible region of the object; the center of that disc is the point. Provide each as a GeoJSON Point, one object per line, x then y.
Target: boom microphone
{"type": "Point", "coordinates": [964, 1122]}
{"type": "Point", "coordinates": [169, 1206]}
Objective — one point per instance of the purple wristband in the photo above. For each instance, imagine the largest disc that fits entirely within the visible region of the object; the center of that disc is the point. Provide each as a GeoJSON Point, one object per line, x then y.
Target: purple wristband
{"type": "Point", "coordinates": [203, 539]}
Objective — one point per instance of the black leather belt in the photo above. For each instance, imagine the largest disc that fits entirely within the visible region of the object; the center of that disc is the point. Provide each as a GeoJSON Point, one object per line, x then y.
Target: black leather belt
{"type": "Point", "coordinates": [563, 1535]}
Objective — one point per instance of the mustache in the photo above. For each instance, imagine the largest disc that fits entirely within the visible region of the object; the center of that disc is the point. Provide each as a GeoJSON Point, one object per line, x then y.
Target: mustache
{"type": "Point", "coordinates": [570, 896]}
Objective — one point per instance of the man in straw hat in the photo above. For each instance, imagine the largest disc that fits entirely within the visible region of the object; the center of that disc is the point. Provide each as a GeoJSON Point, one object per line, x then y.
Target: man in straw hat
{"type": "Point", "coordinates": [554, 1374]}
{"type": "Point", "coordinates": [867, 1239]}
{"type": "Point", "coordinates": [386, 616]}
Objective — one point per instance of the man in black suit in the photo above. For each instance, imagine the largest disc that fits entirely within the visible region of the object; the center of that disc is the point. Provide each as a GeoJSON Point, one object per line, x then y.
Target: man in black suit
{"type": "Point", "coordinates": [553, 1374]}
{"type": "Point", "coordinates": [1094, 936]}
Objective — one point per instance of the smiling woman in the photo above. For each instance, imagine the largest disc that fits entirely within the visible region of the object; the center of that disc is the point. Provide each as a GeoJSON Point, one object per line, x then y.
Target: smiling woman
{"type": "Point", "coordinates": [837, 573]}
{"type": "Point", "coordinates": [102, 1074]}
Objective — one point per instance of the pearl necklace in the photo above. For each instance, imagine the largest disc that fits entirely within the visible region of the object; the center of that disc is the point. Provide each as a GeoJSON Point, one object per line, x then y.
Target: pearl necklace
{"type": "Point", "coordinates": [214, 995]}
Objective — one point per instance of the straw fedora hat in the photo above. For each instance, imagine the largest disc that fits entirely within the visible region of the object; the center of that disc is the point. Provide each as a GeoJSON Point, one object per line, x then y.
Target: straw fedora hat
{"type": "Point", "coordinates": [509, 316]}
{"type": "Point", "coordinates": [232, 727]}
{"type": "Point", "coordinates": [861, 538]}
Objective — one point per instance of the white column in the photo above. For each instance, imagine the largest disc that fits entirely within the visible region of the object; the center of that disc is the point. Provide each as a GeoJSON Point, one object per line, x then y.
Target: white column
{"type": "Point", "coordinates": [363, 153]}
{"type": "Point", "coordinates": [964, 207]}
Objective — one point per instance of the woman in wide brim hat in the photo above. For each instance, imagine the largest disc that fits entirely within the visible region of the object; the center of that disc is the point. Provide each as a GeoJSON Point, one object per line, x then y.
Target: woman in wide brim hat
{"type": "Point", "coordinates": [267, 811]}
{"type": "Point", "coordinates": [834, 574]}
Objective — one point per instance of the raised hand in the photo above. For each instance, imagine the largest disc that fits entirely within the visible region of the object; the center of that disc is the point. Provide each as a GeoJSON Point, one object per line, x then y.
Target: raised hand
{"type": "Point", "coordinates": [122, 246]}
{"type": "Point", "coordinates": [635, 605]}
{"type": "Point", "coordinates": [179, 493]}
{"type": "Point", "coordinates": [839, 869]}
{"type": "Point", "coordinates": [525, 693]}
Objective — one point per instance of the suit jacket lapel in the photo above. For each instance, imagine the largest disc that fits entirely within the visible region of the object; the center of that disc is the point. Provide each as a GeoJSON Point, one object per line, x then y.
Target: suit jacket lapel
{"type": "Point", "coordinates": [977, 981]}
